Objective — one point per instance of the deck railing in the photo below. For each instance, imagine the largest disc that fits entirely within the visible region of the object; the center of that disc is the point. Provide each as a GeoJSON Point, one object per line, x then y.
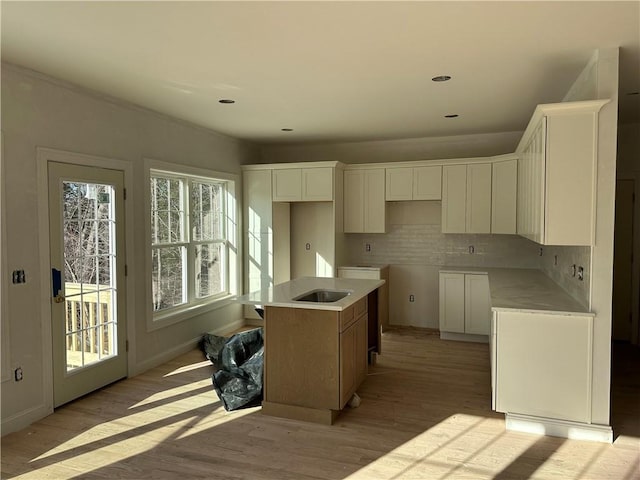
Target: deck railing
{"type": "Point", "coordinates": [89, 324]}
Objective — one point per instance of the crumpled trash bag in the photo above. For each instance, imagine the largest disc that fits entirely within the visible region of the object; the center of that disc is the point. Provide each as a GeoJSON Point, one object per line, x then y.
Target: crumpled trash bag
{"type": "Point", "coordinates": [239, 362]}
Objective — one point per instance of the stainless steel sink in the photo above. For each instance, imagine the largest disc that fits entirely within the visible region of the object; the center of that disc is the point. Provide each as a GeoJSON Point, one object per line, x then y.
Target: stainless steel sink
{"type": "Point", "coordinates": [322, 296]}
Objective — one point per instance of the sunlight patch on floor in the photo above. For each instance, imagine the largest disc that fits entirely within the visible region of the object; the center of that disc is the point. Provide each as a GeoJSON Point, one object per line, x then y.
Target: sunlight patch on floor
{"type": "Point", "coordinates": [187, 368]}
{"type": "Point", "coordinates": [221, 417]}
{"type": "Point", "coordinates": [451, 448]}
{"type": "Point", "coordinates": [174, 392]}
{"type": "Point", "coordinates": [155, 420]}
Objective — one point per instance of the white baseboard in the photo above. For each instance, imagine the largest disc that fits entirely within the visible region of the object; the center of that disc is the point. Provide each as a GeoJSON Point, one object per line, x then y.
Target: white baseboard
{"type": "Point", "coordinates": [464, 337]}
{"type": "Point", "coordinates": [559, 428]}
{"type": "Point", "coordinates": [181, 349]}
{"type": "Point", "coordinates": [25, 418]}
{"type": "Point", "coordinates": [254, 322]}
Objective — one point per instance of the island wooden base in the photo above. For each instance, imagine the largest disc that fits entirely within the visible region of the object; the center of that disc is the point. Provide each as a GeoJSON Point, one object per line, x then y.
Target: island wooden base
{"type": "Point", "coordinates": [293, 412]}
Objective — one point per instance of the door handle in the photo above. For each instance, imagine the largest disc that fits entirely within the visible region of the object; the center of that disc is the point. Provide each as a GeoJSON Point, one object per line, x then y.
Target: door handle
{"type": "Point", "coordinates": [56, 284]}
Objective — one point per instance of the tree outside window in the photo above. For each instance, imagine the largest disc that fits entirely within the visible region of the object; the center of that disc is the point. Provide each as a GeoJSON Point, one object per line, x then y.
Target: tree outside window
{"type": "Point", "coordinates": [188, 240]}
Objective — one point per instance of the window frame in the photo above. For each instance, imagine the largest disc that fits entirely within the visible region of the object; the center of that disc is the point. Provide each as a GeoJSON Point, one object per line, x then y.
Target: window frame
{"type": "Point", "coordinates": [231, 267]}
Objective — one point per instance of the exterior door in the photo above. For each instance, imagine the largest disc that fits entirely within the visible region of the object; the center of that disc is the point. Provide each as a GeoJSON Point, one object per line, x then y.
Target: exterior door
{"type": "Point", "coordinates": [86, 221]}
{"type": "Point", "coordinates": [623, 260]}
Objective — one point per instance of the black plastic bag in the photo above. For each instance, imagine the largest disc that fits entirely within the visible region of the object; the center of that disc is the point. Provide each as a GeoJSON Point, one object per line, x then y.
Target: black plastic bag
{"type": "Point", "coordinates": [239, 362]}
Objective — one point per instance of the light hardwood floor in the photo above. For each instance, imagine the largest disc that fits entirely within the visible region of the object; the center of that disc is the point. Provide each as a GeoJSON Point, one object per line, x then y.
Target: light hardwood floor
{"type": "Point", "coordinates": [425, 414]}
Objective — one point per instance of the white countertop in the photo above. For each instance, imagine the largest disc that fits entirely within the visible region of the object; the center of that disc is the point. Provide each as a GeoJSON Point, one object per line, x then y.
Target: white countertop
{"type": "Point", "coordinates": [282, 295]}
{"type": "Point", "coordinates": [524, 289]}
{"type": "Point", "coordinates": [371, 267]}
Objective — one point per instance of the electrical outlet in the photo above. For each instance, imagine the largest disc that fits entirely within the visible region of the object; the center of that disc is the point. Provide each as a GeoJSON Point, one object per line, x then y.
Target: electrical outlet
{"type": "Point", "coordinates": [412, 298]}
{"type": "Point", "coordinates": [580, 273]}
{"type": "Point", "coordinates": [367, 247]}
{"type": "Point", "coordinates": [17, 374]}
{"type": "Point", "coordinates": [472, 249]}
{"type": "Point", "coordinates": [541, 252]}
{"type": "Point", "coordinates": [555, 260]}
{"type": "Point", "coordinates": [307, 246]}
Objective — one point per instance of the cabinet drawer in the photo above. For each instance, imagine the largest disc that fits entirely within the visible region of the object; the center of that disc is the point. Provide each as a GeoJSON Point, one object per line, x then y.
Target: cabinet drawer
{"type": "Point", "coordinates": [361, 307]}
{"type": "Point", "coordinates": [347, 317]}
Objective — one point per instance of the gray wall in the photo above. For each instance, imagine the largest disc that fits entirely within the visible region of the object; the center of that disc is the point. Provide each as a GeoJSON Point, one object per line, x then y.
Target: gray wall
{"type": "Point", "coordinates": [38, 111]}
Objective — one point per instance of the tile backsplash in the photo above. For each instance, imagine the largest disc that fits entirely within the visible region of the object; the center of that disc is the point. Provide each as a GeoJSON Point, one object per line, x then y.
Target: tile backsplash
{"type": "Point", "coordinates": [414, 237]}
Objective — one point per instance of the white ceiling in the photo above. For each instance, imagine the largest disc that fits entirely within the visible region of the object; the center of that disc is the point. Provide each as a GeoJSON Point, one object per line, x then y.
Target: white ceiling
{"type": "Point", "coordinates": [332, 71]}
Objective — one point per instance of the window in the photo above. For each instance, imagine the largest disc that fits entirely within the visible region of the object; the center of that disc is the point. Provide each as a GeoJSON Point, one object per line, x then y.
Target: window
{"type": "Point", "coordinates": [190, 249]}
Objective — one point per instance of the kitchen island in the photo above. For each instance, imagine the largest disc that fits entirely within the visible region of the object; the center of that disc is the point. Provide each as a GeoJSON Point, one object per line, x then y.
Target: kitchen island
{"type": "Point", "coordinates": [315, 334]}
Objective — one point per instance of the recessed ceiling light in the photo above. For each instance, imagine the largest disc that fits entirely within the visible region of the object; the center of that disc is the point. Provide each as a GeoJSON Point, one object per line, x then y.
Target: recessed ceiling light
{"type": "Point", "coordinates": [453, 115]}
{"type": "Point", "coordinates": [287, 129]}
{"type": "Point", "coordinates": [441, 78]}
{"type": "Point", "coordinates": [226, 100]}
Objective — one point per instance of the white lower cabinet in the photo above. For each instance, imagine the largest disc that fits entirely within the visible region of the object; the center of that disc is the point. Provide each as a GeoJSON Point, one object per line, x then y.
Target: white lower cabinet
{"type": "Point", "coordinates": [541, 364]}
{"type": "Point", "coordinates": [465, 303]}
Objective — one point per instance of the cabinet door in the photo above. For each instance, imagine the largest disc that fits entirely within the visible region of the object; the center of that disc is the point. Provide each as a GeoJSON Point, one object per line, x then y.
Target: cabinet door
{"type": "Point", "coordinates": [257, 200]}
{"type": "Point", "coordinates": [427, 183]}
{"type": "Point", "coordinates": [347, 364]}
{"type": "Point", "coordinates": [361, 350]}
{"type": "Point", "coordinates": [529, 346]}
{"type": "Point", "coordinates": [454, 198]}
{"type": "Point", "coordinates": [287, 185]}
{"type": "Point", "coordinates": [399, 183]}
{"type": "Point", "coordinates": [354, 201]}
{"type": "Point", "coordinates": [452, 302]}
{"type": "Point", "coordinates": [375, 208]}
{"type": "Point", "coordinates": [477, 304]}
{"type": "Point", "coordinates": [317, 184]}
{"type": "Point", "coordinates": [504, 181]}
{"type": "Point", "coordinates": [478, 208]}
{"type": "Point", "coordinates": [538, 182]}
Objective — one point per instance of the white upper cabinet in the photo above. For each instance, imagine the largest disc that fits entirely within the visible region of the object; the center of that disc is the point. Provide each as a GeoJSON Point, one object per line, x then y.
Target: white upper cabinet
{"type": "Point", "coordinates": [364, 201]}
{"type": "Point", "coordinates": [504, 183]}
{"type": "Point", "coordinates": [466, 198]}
{"type": "Point", "coordinates": [427, 183]}
{"type": "Point", "coordinates": [478, 214]}
{"type": "Point", "coordinates": [556, 174]}
{"type": "Point", "coordinates": [303, 184]}
{"type": "Point", "coordinates": [413, 183]}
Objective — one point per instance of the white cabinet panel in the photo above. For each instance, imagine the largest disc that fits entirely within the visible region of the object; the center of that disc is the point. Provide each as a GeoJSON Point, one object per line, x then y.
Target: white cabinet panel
{"type": "Point", "coordinates": [317, 184]}
{"type": "Point", "coordinates": [375, 208]}
{"type": "Point", "coordinates": [364, 201]}
{"type": "Point", "coordinates": [504, 182]}
{"type": "Point", "coordinates": [466, 198]}
{"type": "Point", "coordinates": [478, 211]}
{"type": "Point", "coordinates": [452, 302]}
{"type": "Point", "coordinates": [531, 345]}
{"type": "Point", "coordinates": [303, 184]}
{"type": "Point", "coordinates": [427, 183]}
{"type": "Point", "coordinates": [477, 304]}
{"type": "Point", "coordinates": [414, 183]}
{"type": "Point", "coordinates": [399, 183]}
{"type": "Point", "coordinates": [257, 200]}
{"type": "Point", "coordinates": [556, 174]}
{"type": "Point", "coordinates": [287, 185]}
{"type": "Point", "coordinates": [354, 201]}
{"type": "Point", "coordinates": [454, 198]}
{"type": "Point", "coordinates": [465, 303]}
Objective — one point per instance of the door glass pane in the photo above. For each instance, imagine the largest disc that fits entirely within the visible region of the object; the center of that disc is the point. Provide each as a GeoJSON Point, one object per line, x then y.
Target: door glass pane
{"type": "Point", "coordinates": [89, 259]}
